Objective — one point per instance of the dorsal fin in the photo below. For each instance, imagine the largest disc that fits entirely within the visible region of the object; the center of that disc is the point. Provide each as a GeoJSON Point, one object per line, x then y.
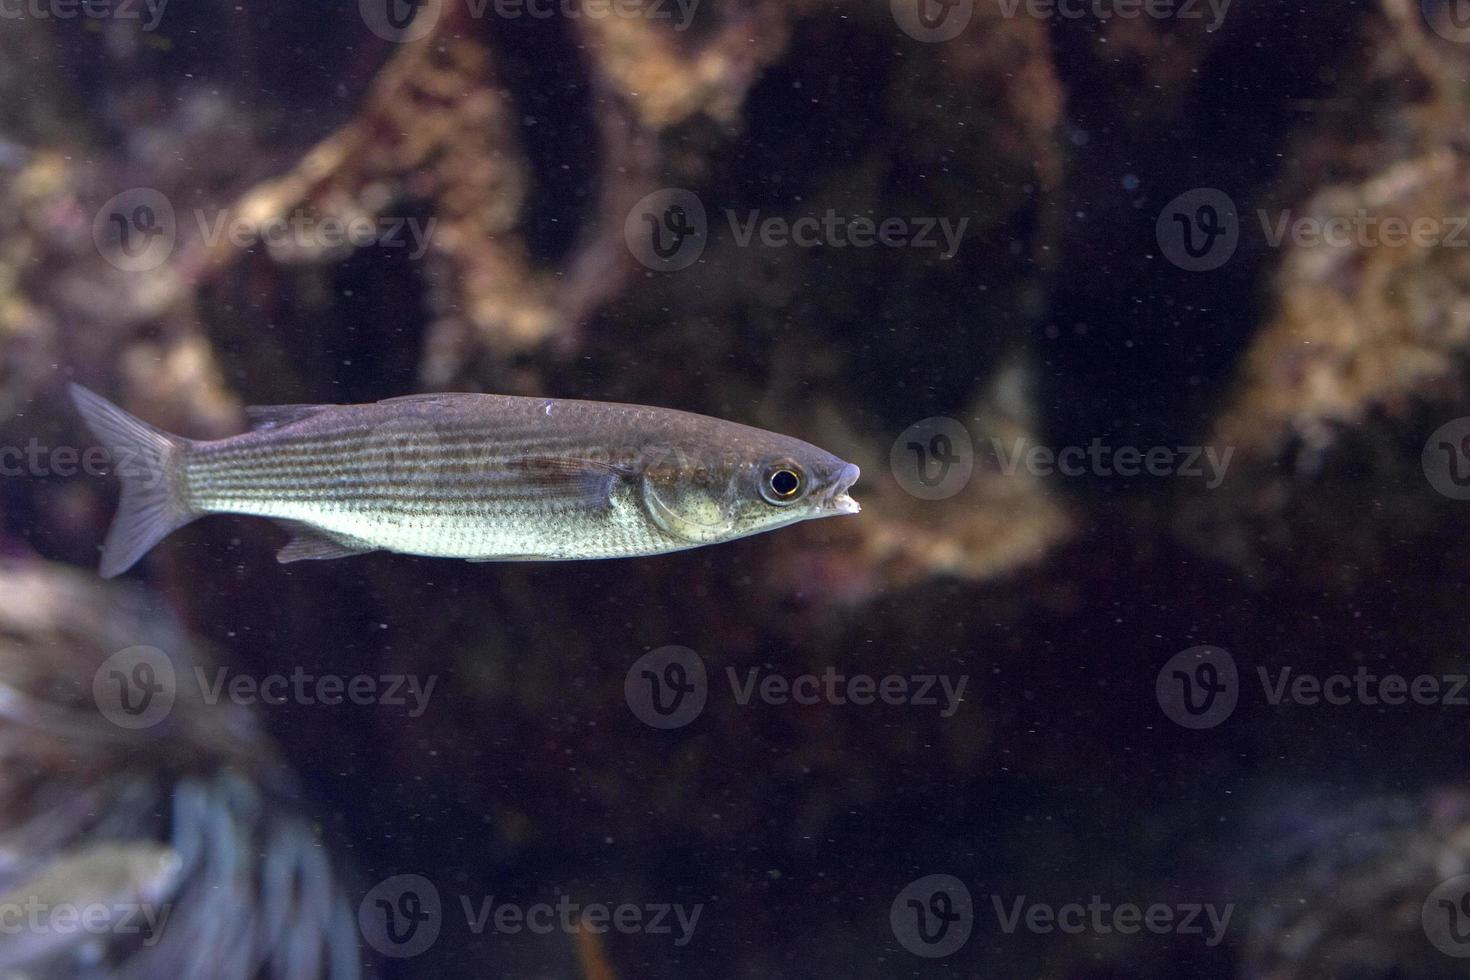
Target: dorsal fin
{"type": "Point", "coordinates": [424, 397]}
{"type": "Point", "coordinates": [271, 416]}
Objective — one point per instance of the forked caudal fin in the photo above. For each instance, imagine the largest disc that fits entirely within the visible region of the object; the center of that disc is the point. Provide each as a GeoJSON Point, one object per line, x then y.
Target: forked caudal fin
{"type": "Point", "coordinates": [147, 462]}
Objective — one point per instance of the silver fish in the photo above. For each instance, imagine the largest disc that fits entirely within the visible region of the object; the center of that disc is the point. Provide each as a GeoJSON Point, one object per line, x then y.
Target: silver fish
{"type": "Point", "coordinates": [481, 477]}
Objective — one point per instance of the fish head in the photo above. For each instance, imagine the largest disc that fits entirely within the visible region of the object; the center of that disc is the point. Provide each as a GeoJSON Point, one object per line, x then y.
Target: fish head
{"type": "Point", "coordinates": [761, 482]}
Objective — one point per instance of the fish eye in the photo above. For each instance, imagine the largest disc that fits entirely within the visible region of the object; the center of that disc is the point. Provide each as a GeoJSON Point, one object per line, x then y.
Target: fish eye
{"type": "Point", "coordinates": [782, 483]}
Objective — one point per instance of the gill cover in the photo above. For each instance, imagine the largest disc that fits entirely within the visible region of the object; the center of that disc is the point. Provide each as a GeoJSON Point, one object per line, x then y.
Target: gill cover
{"type": "Point", "coordinates": [687, 512]}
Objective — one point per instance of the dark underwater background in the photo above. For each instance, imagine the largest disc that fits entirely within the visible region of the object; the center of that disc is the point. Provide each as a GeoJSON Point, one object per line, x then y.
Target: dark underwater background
{"type": "Point", "coordinates": [1117, 284]}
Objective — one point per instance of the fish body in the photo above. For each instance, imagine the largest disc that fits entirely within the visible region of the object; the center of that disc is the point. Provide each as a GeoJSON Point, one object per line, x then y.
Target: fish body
{"type": "Point", "coordinates": [482, 477]}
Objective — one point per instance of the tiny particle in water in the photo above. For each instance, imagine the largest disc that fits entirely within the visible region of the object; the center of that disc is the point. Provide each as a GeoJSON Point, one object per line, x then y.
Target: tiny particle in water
{"type": "Point", "coordinates": [1130, 182]}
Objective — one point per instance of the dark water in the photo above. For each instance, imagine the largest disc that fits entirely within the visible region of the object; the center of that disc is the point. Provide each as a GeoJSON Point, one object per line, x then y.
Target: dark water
{"type": "Point", "coordinates": [1146, 657]}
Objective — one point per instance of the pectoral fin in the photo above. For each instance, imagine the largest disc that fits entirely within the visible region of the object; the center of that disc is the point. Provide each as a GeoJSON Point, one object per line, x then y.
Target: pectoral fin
{"type": "Point", "coordinates": [309, 544]}
{"type": "Point", "coordinates": [577, 482]}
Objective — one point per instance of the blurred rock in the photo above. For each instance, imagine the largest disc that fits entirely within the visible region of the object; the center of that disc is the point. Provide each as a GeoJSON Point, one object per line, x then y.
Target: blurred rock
{"type": "Point", "coordinates": [187, 815]}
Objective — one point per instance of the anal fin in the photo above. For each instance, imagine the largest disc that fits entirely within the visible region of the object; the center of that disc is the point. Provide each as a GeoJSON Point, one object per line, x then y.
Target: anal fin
{"type": "Point", "coordinates": [485, 558]}
{"type": "Point", "coordinates": [309, 544]}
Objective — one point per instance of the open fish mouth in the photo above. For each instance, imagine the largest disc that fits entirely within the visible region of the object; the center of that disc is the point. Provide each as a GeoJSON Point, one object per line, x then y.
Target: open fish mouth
{"type": "Point", "coordinates": [836, 499]}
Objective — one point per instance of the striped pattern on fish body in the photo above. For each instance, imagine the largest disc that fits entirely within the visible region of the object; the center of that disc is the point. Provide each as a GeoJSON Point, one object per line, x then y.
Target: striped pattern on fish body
{"type": "Point", "coordinates": [483, 477]}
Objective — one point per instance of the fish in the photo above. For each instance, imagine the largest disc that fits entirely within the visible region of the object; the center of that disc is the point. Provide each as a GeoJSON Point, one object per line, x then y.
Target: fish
{"type": "Point", "coordinates": [474, 476]}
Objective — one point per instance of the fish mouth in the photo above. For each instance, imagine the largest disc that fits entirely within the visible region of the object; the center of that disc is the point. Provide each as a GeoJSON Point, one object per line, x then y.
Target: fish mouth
{"type": "Point", "coordinates": [836, 499]}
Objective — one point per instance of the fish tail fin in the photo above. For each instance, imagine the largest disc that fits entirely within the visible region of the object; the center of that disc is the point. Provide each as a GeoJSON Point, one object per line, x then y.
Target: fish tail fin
{"type": "Point", "coordinates": [148, 462]}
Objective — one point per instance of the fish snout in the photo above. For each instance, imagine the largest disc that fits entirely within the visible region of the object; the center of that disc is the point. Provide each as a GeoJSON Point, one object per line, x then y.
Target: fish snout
{"type": "Point", "coordinates": [836, 499]}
